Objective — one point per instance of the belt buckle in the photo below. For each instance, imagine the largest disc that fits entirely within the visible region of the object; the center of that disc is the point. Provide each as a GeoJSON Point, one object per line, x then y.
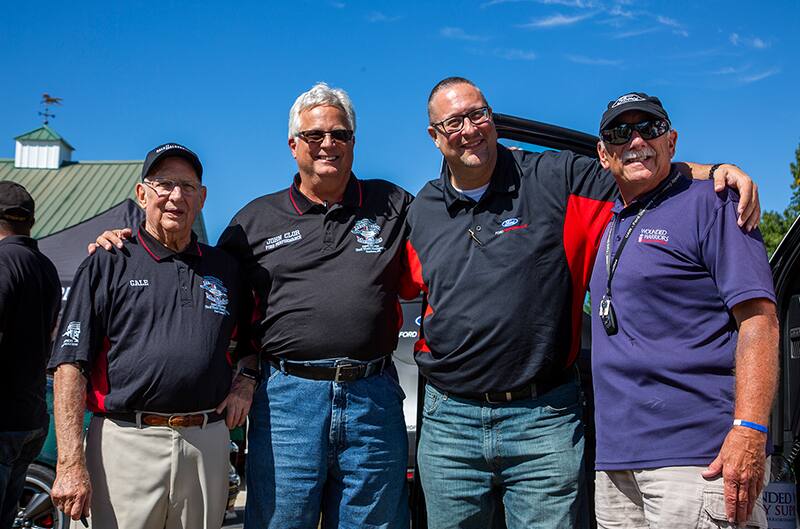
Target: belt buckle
{"type": "Point", "coordinates": [177, 421]}
{"type": "Point", "coordinates": [507, 394]}
{"type": "Point", "coordinates": [342, 370]}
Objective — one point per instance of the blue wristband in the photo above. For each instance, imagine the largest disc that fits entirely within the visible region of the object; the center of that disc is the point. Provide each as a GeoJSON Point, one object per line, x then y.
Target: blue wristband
{"type": "Point", "coordinates": [752, 425]}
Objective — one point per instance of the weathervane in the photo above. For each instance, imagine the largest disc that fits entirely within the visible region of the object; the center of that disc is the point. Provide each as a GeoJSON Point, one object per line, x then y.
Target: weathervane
{"type": "Point", "coordinates": [48, 100]}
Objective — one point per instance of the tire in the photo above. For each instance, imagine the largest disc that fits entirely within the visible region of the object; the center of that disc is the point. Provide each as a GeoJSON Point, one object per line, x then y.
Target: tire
{"type": "Point", "coordinates": [39, 481]}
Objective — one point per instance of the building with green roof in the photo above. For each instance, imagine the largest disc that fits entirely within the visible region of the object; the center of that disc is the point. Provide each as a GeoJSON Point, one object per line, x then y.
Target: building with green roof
{"type": "Point", "coordinates": [69, 192]}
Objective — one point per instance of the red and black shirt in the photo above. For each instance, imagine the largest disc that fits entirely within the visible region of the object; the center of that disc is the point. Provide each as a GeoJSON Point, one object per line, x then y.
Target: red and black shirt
{"type": "Point", "coordinates": [326, 279]}
{"type": "Point", "coordinates": [152, 327]}
{"type": "Point", "coordinates": [505, 278]}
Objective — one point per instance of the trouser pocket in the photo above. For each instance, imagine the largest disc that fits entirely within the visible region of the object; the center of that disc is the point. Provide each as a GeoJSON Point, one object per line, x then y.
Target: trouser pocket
{"type": "Point", "coordinates": [712, 515]}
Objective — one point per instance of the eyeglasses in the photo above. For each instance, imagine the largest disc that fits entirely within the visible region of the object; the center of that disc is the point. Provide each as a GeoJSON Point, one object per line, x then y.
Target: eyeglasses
{"type": "Point", "coordinates": [164, 187]}
{"type": "Point", "coordinates": [317, 136]}
{"type": "Point", "coordinates": [648, 129]}
{"type": "Point", "coordinates": [454, 124]}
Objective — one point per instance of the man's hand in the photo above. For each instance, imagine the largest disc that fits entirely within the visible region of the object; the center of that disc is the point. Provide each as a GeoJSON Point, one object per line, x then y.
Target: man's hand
{"type": "Point", "coordinates": [237, 403]}
{"type": "Point", "coordinates": [72, 491]}
{"type": "Point", "coordinates": [728, 175]}
{"type": "Point", "coordinates": [109, 240]}
{"type": "Point", "coordinates": [741, 461]}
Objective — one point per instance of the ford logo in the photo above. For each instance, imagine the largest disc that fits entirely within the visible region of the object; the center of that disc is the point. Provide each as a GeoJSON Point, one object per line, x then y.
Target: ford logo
{"type": "Point", "coordinates": [510, 222]}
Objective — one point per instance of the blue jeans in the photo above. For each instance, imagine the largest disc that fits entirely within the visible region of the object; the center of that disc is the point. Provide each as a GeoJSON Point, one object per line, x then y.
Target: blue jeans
{"type": "Point", "coordinates": [523, 458]}
{"type": "Point", "coordinates": [17, 451]}
{"type": "Point", "coordinates": [336, 449]}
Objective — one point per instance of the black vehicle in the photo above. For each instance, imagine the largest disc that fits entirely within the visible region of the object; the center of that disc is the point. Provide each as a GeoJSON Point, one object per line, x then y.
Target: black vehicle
{"type": "Point", "coordinates": [785, 422]}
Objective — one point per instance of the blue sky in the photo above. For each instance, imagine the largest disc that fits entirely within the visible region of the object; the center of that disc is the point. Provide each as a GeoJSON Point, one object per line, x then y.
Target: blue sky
{"type": "Point", "coordinates": [220, 77]}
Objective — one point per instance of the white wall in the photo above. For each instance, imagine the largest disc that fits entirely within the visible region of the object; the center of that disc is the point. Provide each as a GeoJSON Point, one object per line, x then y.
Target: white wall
{"type": "Point", "coordinates": [41, 154]}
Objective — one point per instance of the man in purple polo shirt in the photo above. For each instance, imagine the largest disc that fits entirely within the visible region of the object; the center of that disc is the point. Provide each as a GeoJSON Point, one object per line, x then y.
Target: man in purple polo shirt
{"type": "Point", "coordinates": [684, 337]}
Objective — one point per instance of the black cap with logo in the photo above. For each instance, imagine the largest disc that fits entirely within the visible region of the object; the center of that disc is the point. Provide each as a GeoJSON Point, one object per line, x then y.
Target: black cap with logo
{"type": "Point", "coordinates": [632, 101]}
{"type": "Point", "coordinates": [171, 149]}
{"type": "Point", "coordinates": [16, 204]}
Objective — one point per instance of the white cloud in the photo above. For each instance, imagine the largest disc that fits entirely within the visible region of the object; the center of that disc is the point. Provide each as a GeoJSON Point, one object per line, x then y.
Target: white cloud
{"type": "Point", "coordinates": [617, 11]}
{"type": "Point", "coordinates": [730, 70]}
{"type": "Point", "coordinates": [592, 61]}
{"type": "Point", "coordinates": [580, 4]}
{"type": "Point", "coordinates": [557, 20]}
{"type": "Point", "coordinates": [513, 54]}
{"type": "Point", "coordinates": [751, 42]}
{"type": "Point", "coordinates": [759, 76]}
{"type": "Point", "coordinates": [635, 33]}
{"type": "Point", "coordinates": [460, 34]}
{"type": "Point", "coordinates": [377, 16]}
{"type": "Point", "coordinates": [668, 21]}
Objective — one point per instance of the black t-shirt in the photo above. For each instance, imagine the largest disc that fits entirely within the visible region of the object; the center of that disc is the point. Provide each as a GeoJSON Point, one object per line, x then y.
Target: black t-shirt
{"type": "Point", "coordinates": [152, 327]}
{"type": "Point", "coordinates": [30, 297]}
{"type": "Point", "coordinates": [506, 277]}
{"type": "Point", "coordinates": [325, 279]}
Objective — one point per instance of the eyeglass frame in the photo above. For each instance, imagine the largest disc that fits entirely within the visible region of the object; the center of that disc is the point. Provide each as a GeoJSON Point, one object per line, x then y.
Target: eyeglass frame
{"type": "Point", "coordinates": [193, 189]}
{"type": "Point", "coordinates": [302, 135]}
{"type": "Point", "coordinates": [486, 111]}
{"type": "Point", "coordinates": [654, 121]}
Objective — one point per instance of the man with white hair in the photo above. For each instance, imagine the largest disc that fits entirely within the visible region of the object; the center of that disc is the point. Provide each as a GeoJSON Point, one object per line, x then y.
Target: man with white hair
{"type": "Point", "coordinates": [327, 434]}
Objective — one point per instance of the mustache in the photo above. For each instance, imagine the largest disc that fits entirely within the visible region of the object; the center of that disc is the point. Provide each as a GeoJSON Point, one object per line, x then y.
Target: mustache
{"type": "Point", "coordinates": [638, 154]}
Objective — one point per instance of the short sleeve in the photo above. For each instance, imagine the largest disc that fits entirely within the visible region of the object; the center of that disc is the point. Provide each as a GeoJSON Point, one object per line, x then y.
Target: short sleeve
{"type": "Point", "coordinates": [736, 260]}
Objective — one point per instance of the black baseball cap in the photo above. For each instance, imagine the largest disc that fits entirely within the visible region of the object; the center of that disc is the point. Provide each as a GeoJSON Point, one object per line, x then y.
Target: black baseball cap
{"type": "Point", "coordinates": [16, 203]}
{"type": "Point", "coordinates": [632, 101]}
{"type": "Point", "coordinates": [171, 149]}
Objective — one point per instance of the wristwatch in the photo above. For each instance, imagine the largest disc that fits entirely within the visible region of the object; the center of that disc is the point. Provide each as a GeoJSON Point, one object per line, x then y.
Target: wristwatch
{"type": "Point", "coordinates": [252, 374]}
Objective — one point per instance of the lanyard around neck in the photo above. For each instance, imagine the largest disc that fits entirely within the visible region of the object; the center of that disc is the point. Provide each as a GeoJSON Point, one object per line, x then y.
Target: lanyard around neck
{"type": "Point", "coordinates": [611, 265]}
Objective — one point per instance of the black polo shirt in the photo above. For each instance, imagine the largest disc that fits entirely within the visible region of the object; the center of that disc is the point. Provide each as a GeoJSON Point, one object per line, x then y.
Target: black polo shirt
{"type": "Point", "coordinates": [30, 297]}
{"type": "Point", "coordinates": [506, 277]}
{"type": "Point", "coordinates": [152, 326]}
{"type": "Point", "coordinates": [326, 279]}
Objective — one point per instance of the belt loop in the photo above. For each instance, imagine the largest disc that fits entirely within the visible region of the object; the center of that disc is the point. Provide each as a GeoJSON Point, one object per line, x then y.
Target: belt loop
{"type": "Point", "coordinates": [282, 366]}
{"type": "Point", "coordinates": [205, 421]}
{"type": "Point", "coordinates": [139, 420]}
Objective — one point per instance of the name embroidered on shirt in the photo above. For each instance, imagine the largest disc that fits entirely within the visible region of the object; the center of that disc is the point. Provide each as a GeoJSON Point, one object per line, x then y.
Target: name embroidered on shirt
{"type": "Point", "coordinates": [279, 240]}
{"type": "Point", "coordinates": [654, 235]}
{"type": "Point", "coordinates": [139, 282]}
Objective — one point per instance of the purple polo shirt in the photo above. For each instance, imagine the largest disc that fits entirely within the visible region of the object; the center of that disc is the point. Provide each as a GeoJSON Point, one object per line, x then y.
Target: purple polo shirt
{"type": "Point", "coordinates": [664, 384]}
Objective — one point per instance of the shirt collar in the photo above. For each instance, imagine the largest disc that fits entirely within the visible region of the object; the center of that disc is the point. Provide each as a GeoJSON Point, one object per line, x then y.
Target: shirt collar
{"type": "Point", "coordinates": [159, 252]}
{"type": "Point", "coordinates": [504, 180]}
{"type": "Point", "coordinates": [353, 196]}
{"type": "Point", "coordinates": [23, 240]}
{"type": "Point", "coordinates": [642, 200]}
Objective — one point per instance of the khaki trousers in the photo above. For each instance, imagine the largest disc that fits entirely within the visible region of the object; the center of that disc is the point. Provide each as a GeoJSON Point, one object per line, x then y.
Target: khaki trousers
{"type": "Point", "coordinates": [665, 498]}
{"type": "Point", "coordinates": [156, 477]}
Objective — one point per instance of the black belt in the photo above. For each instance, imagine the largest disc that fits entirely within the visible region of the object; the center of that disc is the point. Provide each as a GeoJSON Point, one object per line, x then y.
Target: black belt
{"type": "Point", "coordinates": [341, 371]}
{"type": "Point", "coordinates": [531, 391]}
{"type": "Point", "coordinates": [176, 420]}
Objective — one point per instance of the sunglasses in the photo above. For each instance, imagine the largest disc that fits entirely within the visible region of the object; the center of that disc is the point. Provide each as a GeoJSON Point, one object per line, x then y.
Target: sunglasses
{"type": "Point", "coordinates": [648, 129]}
{"type": "Point", "coordinates": [317, 136]}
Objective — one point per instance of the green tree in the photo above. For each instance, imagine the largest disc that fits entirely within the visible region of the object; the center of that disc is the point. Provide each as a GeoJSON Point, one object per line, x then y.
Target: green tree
{"type": "Point", "coordinates": [774, 224]}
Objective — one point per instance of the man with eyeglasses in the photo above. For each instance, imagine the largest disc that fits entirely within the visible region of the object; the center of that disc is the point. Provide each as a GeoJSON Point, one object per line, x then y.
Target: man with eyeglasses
{"type": "Point", "coordinates": [143, 343]}
{"type": "Point", "coordinates": [685, 356]}
{"type": "Point", "coordinates": [501, 244]}
{"type": "Point", "coordinates": [326, 435]}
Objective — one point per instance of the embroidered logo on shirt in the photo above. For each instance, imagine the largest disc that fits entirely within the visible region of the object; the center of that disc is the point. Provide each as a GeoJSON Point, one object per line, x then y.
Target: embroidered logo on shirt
{"type": "Point", "coordinates": [139, 282]}
{"type": "Point", "coordinates": [216, 295]}
{"type": "Point", "coordinates": [510, 224]}
{"type": "Point", "coordinates": [284, 238]}
{"type": "Point", "coordinates": [654, 235]}
{"type": "Point", "coordinates": [72, 335]}
{"type": "Point", "coordinates": [366, 232]}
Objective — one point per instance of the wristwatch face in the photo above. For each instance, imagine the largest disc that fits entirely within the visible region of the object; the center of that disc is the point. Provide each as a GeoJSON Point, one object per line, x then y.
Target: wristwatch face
{"type": "Point", "coordinates": [250, 373]}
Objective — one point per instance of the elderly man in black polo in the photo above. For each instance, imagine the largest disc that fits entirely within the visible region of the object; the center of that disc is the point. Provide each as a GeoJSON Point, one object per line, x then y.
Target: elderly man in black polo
{"type": "Point", "coordinates": [143, 343]}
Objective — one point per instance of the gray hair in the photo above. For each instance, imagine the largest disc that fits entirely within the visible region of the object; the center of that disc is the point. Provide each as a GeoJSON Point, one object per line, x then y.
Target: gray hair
{"type": "Point", "coordinates": [321, 95]}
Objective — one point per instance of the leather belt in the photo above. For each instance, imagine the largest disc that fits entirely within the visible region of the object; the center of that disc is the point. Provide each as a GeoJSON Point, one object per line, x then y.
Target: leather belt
{"type": "Point", "coordinates": [175, 420]}
{"type": "Point", "coordinates": [531, 391]}
{"type": "Point", "coordinates": [340, 371]}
